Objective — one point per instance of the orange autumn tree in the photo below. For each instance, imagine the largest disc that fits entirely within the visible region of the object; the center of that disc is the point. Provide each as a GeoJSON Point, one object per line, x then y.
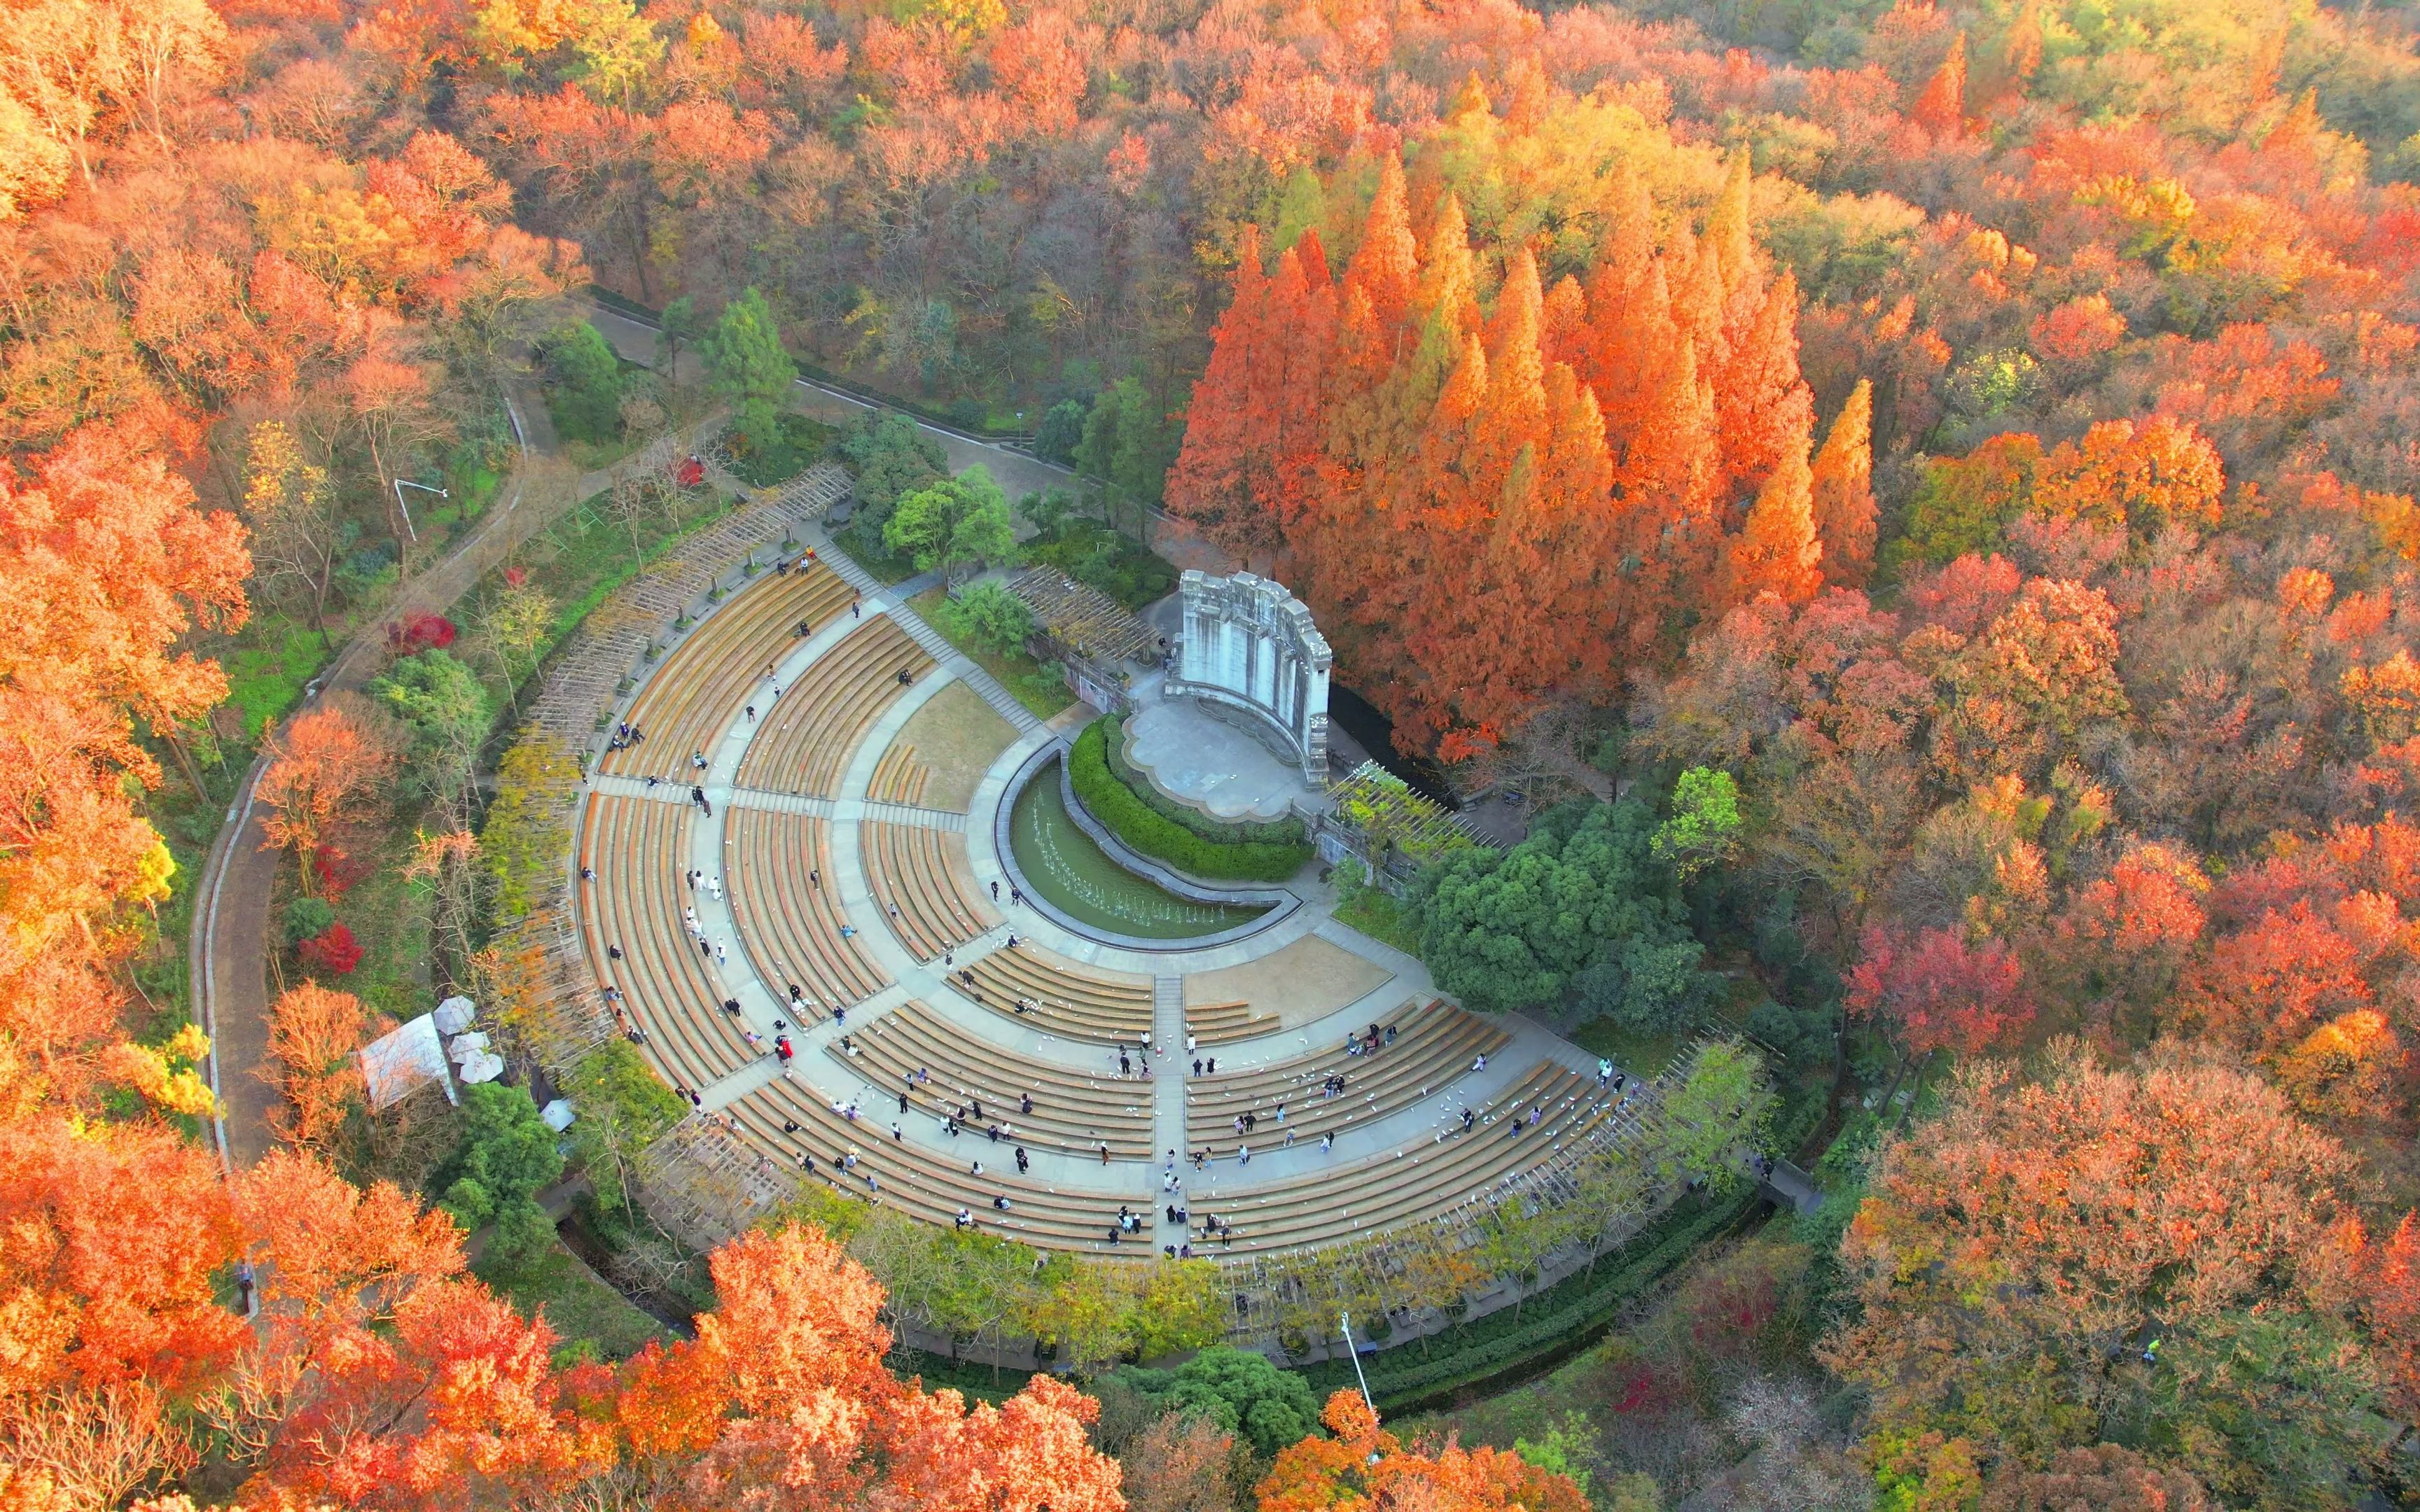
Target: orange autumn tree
{"type": "Point", "coordinates": [383, 1378]}
{"type": "Point", "coordinates": [1842, 482]}
{"type": "Point", "coordinates": [108, 542]}
{"type": "Point", "coordinates": [782, 1394]}
{"type": "Point", "coordinates": [108, 1319]}
{"type": "Point", "coordinates": [1492, 496]}
{"type": "Point", "coordinates": [2048, 1231]}
{"type": "Point", "coordinates": [324, 772]}
{"type": "Point", "coordinates": [313, 1032]}
{"type": "Point", "coordinates": [1364, 1469]}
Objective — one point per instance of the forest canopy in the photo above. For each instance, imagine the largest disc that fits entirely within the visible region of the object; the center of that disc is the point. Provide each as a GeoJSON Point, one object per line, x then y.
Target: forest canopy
{"type": "Point", "coordinates": [1974, 439]}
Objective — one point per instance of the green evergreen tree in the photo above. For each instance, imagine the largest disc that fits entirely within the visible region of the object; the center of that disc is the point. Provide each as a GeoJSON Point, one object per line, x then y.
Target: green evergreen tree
{"type": "Point", "coordinates": [892, 456]}
{"type": "Point", "coordinates": [745, 354]}
{"type": "Point", "coordinates": [1061, 432]}
{"type": "Point", "coordinates": [447, 711]}
{"type": "Point", "coordinates": [953, 521]}
{"type": "Point", "coordinates": [507, 1157]}
{"type": "Point", "coordinates": [583, 382]}
{"type": "Point", "coordinates": [1582, 906]}
{"type": "Point", "coordinates": [1127, 448]}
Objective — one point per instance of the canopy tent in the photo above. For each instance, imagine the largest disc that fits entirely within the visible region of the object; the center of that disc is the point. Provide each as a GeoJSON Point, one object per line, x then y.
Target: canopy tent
{"type": "Point", "coordinates": [400, 1061]}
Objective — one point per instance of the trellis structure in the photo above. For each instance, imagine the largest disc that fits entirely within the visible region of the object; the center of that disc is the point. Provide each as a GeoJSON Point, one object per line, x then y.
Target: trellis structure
{"type": "Point", "coordinates": [1374, 818]}
{"type": "Point", "coordinates": [700, 1181]}
{"type": "Point", "coordinates": [1085, 621]}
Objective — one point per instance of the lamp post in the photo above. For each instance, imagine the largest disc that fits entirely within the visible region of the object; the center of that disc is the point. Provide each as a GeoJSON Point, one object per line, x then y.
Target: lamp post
{"type": "Point", "coordinates": [1344, 1321]}
{"type": "Point", "coordinates": [400, 485]}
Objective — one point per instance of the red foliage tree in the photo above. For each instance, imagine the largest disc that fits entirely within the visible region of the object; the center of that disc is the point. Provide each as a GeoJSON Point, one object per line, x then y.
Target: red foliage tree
{"type": "Point", "coordinates": [334, 949]}
{"type": "Point", "coordinates": [1938, 992]}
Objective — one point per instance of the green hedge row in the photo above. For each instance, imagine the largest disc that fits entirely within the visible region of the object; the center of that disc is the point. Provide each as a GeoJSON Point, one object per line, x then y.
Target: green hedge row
{"type": "Point", "coordinates": [1552, 1325]}
{"type": "Point", "coordinates": [1114, 804]}
{"type": "Point", "coordinates": [1286, 831]}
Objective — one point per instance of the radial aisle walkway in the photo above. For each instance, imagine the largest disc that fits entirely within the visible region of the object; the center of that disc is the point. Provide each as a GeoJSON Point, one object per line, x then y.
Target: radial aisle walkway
{"type": "Point", "coordinates": [806, 735]}
{"type": "Point", "coordinates": [928, 1050]}
{"type": "Point", "coordinates": [701, 687]}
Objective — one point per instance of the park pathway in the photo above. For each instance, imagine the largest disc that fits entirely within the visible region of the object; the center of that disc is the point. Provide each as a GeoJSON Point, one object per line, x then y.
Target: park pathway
{"type": "Point", "coordinates": [1016, 472]}
{"type": "Point", "coordinates": [228, 950]}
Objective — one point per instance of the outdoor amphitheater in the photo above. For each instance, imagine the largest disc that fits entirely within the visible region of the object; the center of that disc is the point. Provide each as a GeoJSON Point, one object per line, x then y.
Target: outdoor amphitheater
{"type": "Point", "coordinates": [804, 891]}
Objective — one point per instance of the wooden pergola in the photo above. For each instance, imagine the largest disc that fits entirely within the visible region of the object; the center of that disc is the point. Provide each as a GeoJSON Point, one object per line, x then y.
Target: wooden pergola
{"type": "Point", "coordinates": [1087, 621]}
{"type": "Point", "coordinates": [1381, 807]}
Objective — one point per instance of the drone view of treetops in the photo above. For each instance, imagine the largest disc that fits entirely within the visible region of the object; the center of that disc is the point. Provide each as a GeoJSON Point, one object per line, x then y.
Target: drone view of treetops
{"type": "Point", "coordinates": [1209, 755]}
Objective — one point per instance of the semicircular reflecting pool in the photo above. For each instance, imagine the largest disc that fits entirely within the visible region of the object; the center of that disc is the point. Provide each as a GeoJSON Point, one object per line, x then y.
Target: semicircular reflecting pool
{"type": "Point", "coordinates": [1071, 872]}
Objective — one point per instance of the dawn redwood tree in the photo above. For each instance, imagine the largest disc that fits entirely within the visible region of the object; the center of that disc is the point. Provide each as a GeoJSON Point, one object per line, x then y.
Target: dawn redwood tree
{"type": "Point", "coordinates": [1842, 484]}
{"type": "Point", "coordinates": [1941, 106]}
{"type": "Point", "coordinates": [1494, 496]}
{"type": "Point", "coordinates": [1778, 550]}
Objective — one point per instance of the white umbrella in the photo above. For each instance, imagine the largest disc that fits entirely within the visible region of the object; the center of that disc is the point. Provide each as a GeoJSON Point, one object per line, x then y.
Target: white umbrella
{"type": "Point", "coordinates": [465, 1047]}
{"type": "Point", "coordinates": [454, 1015]}
{"type": "Point", "coordinates": [482, 1067]}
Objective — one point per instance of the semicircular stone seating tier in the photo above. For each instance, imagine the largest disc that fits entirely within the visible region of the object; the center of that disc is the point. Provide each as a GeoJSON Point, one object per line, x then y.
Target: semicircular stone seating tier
{"type": "Point", "coordinates": [1028, 1084]}
{"type": "Point", "coordinates": [703, 683]}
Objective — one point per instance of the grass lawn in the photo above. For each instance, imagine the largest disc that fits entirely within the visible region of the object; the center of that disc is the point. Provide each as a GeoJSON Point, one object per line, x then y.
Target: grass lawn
{"type": "Point", "coordinates": [1382, 916]}
{"type": "Point", "coordinates": [1043, 692]}
{"type": "Point", "coordinates": [268, 666]}
{"type": "Point", "coordinates": [581, 1308]}
{"type": "Point", "coordinates": [590, 456]}
{"type": "Point", "coordinates": [1641, 1055]}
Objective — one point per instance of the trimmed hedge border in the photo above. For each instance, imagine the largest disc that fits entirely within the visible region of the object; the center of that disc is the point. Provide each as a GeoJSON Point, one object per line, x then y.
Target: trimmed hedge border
{"type": "Point", "coordinates": [1286, 831]}
{"type": "Point", "coordinates": [1114, 804]}
{"type": "Point", "coordinates": [1555, 1324]}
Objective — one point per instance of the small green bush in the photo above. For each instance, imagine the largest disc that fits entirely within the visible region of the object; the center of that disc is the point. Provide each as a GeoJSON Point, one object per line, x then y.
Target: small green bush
{"type": "Point", "coordinates": [307, 918]}
{"type": "Point", "coordinates": [989, 615]}
{"type": "Point", "coordinates": [1131, 820]}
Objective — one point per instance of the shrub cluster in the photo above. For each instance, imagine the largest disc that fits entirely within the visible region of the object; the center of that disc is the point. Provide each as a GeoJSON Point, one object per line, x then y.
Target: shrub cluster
{"type": "Point", "coordinates": [1549, 1326]}
{"type": "Point", "coordinates": [1136, 823]}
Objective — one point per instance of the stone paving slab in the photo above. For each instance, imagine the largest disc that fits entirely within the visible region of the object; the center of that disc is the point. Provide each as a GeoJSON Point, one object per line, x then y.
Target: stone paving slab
{"type": "Point", "coordinates": [1297, 983]}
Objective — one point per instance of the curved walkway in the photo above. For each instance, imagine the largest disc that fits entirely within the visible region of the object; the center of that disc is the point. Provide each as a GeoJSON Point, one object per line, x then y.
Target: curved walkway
{"type": "Point", "coordinates": [1421, 1124]}
{"type": "Point", "coordinates": [228, 952]}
